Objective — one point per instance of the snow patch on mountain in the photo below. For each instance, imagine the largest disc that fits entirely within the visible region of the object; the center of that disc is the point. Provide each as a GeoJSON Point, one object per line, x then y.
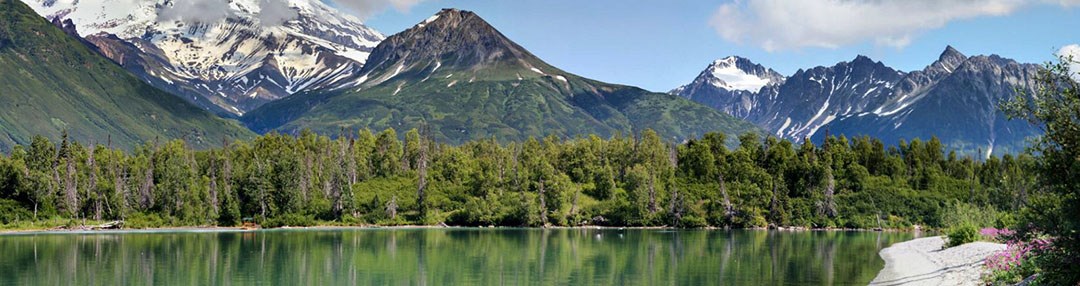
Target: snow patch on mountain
{"type": "Point", "coordinates": [726, 75]}
{"type": "Point", "coordinates": [230, 60]}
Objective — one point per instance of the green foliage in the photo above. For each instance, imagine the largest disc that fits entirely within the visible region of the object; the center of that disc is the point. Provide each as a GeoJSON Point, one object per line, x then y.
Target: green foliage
{"type": "Point", "coordinates": [1054, 207]}
{"type": "Point", "coordinates": [374, 178]}
{"type": "Point", "coordinates": [962, 234]}
{"type": "Point", "coordinates": [145, 220]}
{"type": "Point", "coordinates": [960, 214]}
{"type": "Point", "coordinates": [13, 212]}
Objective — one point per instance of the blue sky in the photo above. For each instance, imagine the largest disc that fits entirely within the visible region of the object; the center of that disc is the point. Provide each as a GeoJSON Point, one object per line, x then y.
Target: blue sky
{"type": "Point", "coordinates": [659, 45]}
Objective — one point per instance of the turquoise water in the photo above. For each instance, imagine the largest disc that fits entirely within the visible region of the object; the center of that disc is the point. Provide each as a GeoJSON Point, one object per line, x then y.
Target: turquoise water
{"type": "Point", "coordinates": [445, 256]}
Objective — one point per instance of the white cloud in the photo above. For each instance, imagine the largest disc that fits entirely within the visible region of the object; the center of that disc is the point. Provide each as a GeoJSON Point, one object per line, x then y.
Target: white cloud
{"type": "Point", "coordinates": [275, 12]}
{"type": "Point", "coordinates": [197, 11]}
{"type": "Point", "coordinates": [1074, 51]}
{"type": "Point", "coordinates": [367, 8]}
{"type": "Point", "coordinates": [271, 12]}
{"type": "Point", "coordinates": [791, 25]}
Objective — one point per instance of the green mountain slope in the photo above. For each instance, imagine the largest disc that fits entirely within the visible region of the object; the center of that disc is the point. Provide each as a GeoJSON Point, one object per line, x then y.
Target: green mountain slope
{"type": "Point", "coordinates": [50, 82]}
{"type": "Point", "coordinates": [464, 80]}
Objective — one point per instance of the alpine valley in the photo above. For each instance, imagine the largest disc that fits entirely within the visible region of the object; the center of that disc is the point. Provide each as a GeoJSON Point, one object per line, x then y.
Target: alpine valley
{"type": "Point", "coordinates": [955, 99]}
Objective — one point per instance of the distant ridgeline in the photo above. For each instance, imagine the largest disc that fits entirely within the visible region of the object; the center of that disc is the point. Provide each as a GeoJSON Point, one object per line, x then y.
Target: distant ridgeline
{"type": "Point", "coordinates": [375, 178]}
{"type": "Point", "coordinates": [955, 98]}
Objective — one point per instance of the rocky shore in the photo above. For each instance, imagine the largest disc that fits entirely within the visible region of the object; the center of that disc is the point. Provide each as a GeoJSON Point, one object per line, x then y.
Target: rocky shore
{"type": "Point", "coordinates": [923, 262]}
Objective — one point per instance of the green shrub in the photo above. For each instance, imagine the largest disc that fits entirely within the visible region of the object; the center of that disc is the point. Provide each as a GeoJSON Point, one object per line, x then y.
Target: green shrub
{"type": "Point", "coordinates": [962, 234]}
{"type": "Point", "coordinates": [12, 212]}
{"type": "Point", "coordinates": [141, 220]}
{"type": "Point", "coordinates": [961, 214]}
{"type": "Point", "coordinates": [693, 222]}
{"type": "Point", "coordinates": [758, 221]}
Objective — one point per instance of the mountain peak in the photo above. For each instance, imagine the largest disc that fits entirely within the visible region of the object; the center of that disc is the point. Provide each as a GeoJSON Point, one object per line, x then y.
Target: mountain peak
{"type": "Point", "coordinates": [728, 61]}
{"type": "Point", "coordinates": [448, 11]}
{"type": "Point", "coordinates": [862, 59]}
{"type": "Point", "coordinates": [950, 59]}
{"type": "Point", "coordinates": [737, 73]}
{"type": "Point", "coordinates": [951, 52]}
{"type": "Point", "coordinates": [449, 17]}
{"type": "Point", "coordinates": [451, 39]}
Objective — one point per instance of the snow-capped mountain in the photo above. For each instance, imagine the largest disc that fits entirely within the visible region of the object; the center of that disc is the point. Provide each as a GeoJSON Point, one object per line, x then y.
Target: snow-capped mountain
{"type": "Point", "coordinates": [955, 98]}
{"type": "Point", "coordinates": [731, 85]}
{"type": "Point", "coordinates": [794, 107]}
{"type": "Point", "coordinates": [233, 63]}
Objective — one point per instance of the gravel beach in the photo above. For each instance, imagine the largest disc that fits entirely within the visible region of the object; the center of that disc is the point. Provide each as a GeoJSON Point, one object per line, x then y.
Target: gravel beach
{"type": "Point", "coordinates": [923, 262]}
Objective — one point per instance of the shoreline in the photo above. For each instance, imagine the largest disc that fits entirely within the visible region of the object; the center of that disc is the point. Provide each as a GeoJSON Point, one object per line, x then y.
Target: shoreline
{"type": "Point", "coordinates": [196, 229]}
{"type": "Point", "coordinates": [922, 261]}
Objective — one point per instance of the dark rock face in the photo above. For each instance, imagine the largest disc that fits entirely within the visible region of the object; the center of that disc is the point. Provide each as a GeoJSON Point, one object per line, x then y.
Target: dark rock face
{"type": "Point", "coordinates": [958, 103]}
{"type": "Point", "coordinates": [812, 98]}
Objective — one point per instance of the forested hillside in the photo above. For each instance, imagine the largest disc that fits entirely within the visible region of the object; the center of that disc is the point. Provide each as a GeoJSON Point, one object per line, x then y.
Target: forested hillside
{"type": "Point", "coordinates": [375, 178]}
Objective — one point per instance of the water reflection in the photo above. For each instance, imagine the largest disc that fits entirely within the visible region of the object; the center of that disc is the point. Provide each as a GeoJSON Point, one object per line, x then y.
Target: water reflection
{"type": "Point", "coordinates": [446, 257]}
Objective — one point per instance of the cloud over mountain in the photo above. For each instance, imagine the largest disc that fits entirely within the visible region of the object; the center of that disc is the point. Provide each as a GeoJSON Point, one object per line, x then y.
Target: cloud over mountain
{"type": "Point", "coordinates": [792, 25]}
{"type": "Point", "coordinates": [367, 8]}
{"type": "Point", "coordinates": [199, 11]}
{"type": "Point", "coordinates": [275, 12]}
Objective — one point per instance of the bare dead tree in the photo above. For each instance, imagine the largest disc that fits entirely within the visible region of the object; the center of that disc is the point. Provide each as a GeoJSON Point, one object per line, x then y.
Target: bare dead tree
{"type": "Point", "coordinates": [337, 180]}
{"type": "Point", "coordinates": [92, 184]}
{"type": "Point", "coordinates": [830, 189]}
{"type": "Point", "coordinates": [306, 177]}
{"type": "Point", "coordinates": [350, 160]}
{"type": "Point", "coordinates": [652, 193]}
{"type": "Point", "coordinates": [774, 203]}
{"type": "Point", "coordinates": [146, 198]}
{"type": "Point", "coordinates": [543, 204]}
{"type": "Point", "coordinates": [120, 188]}
{"type": "Point", "coordinates": [226, 171]}
{"type": "Point", "coordinates": [573, 205]}
{"type": "Point", "coordinates": [213, 187]}
{"type": "Point", "coordinates": [675, 207]}
{"type": "Point", "coordinates": [391, 207]}
{"type": "Point", "coordinates": [71, 191]}
{"type": "Point", "coordinates": [178, 199]}
{"type": "Point", "coordinates": [422, 165]}
{"type": "Point", "coordinates": [261, 189]}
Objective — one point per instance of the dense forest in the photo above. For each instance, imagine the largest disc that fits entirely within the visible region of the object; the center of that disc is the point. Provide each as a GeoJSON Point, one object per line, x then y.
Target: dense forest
{"type": "Point", "coordinates": [363, 178]}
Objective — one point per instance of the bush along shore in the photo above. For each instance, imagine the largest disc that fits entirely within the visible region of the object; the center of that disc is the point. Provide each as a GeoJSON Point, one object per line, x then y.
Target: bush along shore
{"type": "Point", "coordinates": [366, 178]}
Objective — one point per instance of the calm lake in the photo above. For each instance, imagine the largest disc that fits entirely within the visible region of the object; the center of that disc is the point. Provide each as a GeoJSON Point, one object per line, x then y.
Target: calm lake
{"type": "Point", "coordinates": [446, 256]}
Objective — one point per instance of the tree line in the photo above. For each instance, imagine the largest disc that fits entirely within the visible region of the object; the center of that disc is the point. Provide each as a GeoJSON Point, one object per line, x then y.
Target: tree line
{"type": "Point", "coordinates": [363, 177]}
